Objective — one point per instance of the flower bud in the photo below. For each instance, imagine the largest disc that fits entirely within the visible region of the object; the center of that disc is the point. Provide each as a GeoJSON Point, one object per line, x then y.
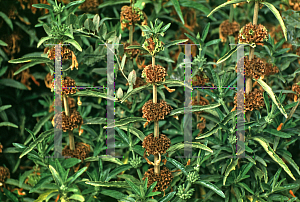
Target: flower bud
{"type": "Point", "coordinates": [120, 93]}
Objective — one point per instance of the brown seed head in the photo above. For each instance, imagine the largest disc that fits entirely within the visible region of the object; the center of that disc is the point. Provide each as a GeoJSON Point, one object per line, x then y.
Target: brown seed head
{"type": "Point", "coordinates": [163, 179]}
{"type": "Point", "coordinates": [156, 111]}
{"type": "Point", "coordinates": [154, 145]}
{"type": "Point", "coordinates": [253, 34]}
{"type": "Point", "coordinates": [155, 75]}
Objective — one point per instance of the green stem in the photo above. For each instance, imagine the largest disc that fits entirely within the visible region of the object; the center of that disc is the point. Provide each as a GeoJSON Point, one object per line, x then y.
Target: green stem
{"type": "Point", "coordinates": [71, 135]}
{"type": "Point", "coordinates": [225, 107]}
{"type": "Point", "coordinates": [231, 14]}
{"type": "Point", "coordinates": [58, 18]}
{"type": "Point", "coordinates": [188, 186]}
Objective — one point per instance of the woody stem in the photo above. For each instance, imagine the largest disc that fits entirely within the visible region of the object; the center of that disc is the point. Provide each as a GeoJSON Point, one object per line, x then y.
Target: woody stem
{"type": "Point", "coordinates": [198, 100]}
{"type": "Point", "coordinates": [231, 14]}
{"type": "Point", "coordinates": [71, 135]}
{"type": "Point", "coordinates": [156, 127]}
{"type": "Point", "coordinates": [251, 55]}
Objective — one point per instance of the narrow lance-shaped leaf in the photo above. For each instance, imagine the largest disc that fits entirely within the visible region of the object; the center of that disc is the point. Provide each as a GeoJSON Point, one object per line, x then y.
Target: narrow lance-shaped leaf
{"type": "Point", "coordinates": [136, 90]}
{"type": "Point", "coordinates": [272, 95]}
{"type": "Point", "coordinates": [194, 145]}
{"type": "Point", "coordinates": [6, 19]}
{"type": "Point", "coordinates": [212, 187]}
{"type": "Point", "coordinates": [278, 16]}
{"type": "Point", "coordinates": [273, 155]}
{"type": "Point", "coordinates": [230, 167]}
{"type": "Point", "coordinates": [91, 93]}
{"type": "Point", "coordinates": [225, 4]}
{"type": "Point", "coordinates": [194, 109]}
{"type": "Point", "coordinates": [227, 55]}
{"type": "Point", "coordinates": [177, 165]}
{"type": "Point", "coordinates": [178, 10]}
{"type": "Point", "coordinates": [175, 42]}
{"type": "Point", "coordinates": [126, 121]}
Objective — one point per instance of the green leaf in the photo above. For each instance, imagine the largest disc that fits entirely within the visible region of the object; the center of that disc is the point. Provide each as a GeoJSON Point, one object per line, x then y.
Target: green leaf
{"type": "Point", "coordinates": [3, 70]}
{"type": "Point", "coordinates": [167, 197]}
{"type": "Point", "coordinates": [76, 175]}
{"type": "Point", "coordinates": [229, 168]}
{"type": "Point", "coordinates": [278, 16]}
{"type": "Point", "coordinates": [192, 38]}
{"type": "Point", "coordinates": [134, 187]}
{"type": "Point", "coordinates": [122, 135]}
{"type": "Point", "coordinates": [96, 21]}
{"type": "Point", "coordinates": [126, 121]}
{"type": "Point", "coordinates": [225, 4]}
{"type": "Point", "coordinates": [38, 140]}
{"type": "Point", "coordinates": [10, 195]}
{"type": "Point", "coordinates": [74, 43]}
{"type": "Point", "coordinates": [273, 155]}
{"type": "Point", "coordinates": [13, 83]}
{"type": "Point", "coordinates": [2, 43]}
{"type": "Point", "coordinates": [30, 59]}
{"type": "Point", "coordinates": [290, 161]}
{"type": "Point", "coordinates": [111, 3]}
{"type": "Point", "coordinates": [74, 3]}
{"type": "Point", "coordinates": [136, 90]}
{"type": "Point", "coordinates": [8, 124]}
{"type": "Point", "coordinates": [42, 181]}
{"type": "Point", "coordinates": [42, 40]}
{"type": "Point", "coordinates": [212, 42]}
{"type": "Point", "coordinates": [45, 6]}
{"type": "Point", "coordinates": [178, 10]}
{"type": "Point", "coordinates": [198, 145]}
{"type": "Point", "coordinates": [7, 20]}
{"type": "Point", "coordinates": [70, 162]}
{"type": "Point", "coordinates": [194, 109]}
{"type": "Point", "coordinates": [118, 184]}
{"type": "Point", "coordinates": [177, 165]}
{"type": "Point", "coordinates": [44, 195]}
{"type": "Point", "coordinates": [118, 170]}
{"type": "Point", "coordinates": [205, 32]}
{"type": "Point", "coordinates": [91, 93]}
{"type": "Point", "coordinates": [211, 186]}
{"type": "Point", "coordinates": [272, 95]}
{"type": "Point", "coordinates": [277, 133]}
{"type": "Point", "coordinates": [95, 120]}
{"type": "Point", "coordinates": [113, 193]}
{"type": "Point", "coordinates": [26, 66]}
{"type": "Point", "coordinates": [198, 6]}
{"type": "Point", "coordinates": [175, 42]}
{"type": "Point", "coordinates": [173, 82]}
{"type": "Point", "coordinates": [56, 176]}
{"type": "Point", "coordinates": [243, 185]}
{"type": "Point", "coordinates": [77, 197]}
{"type": "Point", "coordinates": [134, 131]}
{"type": "Point", "coordinates": [104, 158]}
{"type": "Point", "coordinates": [165, 27]}
{"type": "Point", "coordinates": [228, 55]}
{"type": "Point", "coordinates": [4, 107]}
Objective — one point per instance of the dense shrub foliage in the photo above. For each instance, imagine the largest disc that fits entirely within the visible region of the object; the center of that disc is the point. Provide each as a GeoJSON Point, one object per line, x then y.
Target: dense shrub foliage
{"type": "Point", "coordinates": [253, 160]}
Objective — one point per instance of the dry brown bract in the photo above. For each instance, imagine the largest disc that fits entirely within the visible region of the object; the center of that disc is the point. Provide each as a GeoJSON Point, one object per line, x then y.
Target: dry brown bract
{"type": "Point", "coordinates": [295, 4]}
{"type": "Point", "coordinates": [253, 34]}
{"type": "Point", "coordinates": [68, 82]}
{"type": "Point", "coordinates": [254, 100]}
{"type": "Point", "coordinates": [1, 147]}
{"type": "Point", "coordinates": [154, 145]}
{"type": "Point", "coordinates": [4, 174]}
{"type": "Point", "coordinates": [133, 53]}
{"type": "Point", "coordinates": [254, 68]}
{"type": "Point", "coordinates": [229, 29]}
{"type": "Point", "coordinates": [271, 69]}
{"type": "Point", "coordinates": [155, 75]}
{"type": "Point", "coordinates": [156, 111]}
{"type": "Point", "coordinates": [89, 5]}
{"type": "Point", "coordinates": [296, 88]}
{"type": "Point", "coordinates": [48, 80]}
{"type": "Point", "coordinates": [199, 80]}
{"type": "Point", "coordinates": [128, 18]}
{"type": "Point", "coordinates": [163, 179]}
{"type": "Point", "coordinates": [81, 152]}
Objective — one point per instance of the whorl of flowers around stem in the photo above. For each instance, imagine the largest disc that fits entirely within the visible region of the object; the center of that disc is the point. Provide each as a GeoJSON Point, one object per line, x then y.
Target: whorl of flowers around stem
{"type": "Point", "coordinates": [163, 179]}
{"type": "Point", "coordinates": [68, 122]}
{"type": "Point", "coordinates": [250, 34]}
{"type": "Point", "coordinates": [229, 29]}
{"type": "Point", "coordinates": [254, 100]}
{"type": "Point", "coordinates": [81, 151]}
{"type": "Point", "coordinates": [200, 80]}
{"type": "Point", "coordinates": [153, 45]}
{"type": "Point", "coordinates": [154, 75]}
{"type": "Point", "coordinates": [296, 88]}
{"type": "Point", "coordinates": [4, 174]}
{"type": "Point", "coordinates": [68, 85]}
{"type": "Point", "coordinates": [66, 54]}
{"type": "Point", "coordinates": [295, 4]}
{"type": "Point", "coordinates": [128, 18]}
{"type": "Point", "coordinates": [156, 111]}
{"type": "Point", "coordinates": [154, 145]}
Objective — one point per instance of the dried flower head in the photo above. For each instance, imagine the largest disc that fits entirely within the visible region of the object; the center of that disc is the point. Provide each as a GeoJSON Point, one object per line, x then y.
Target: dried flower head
{"type": "Point", "coordinates": [250, 34]}
{"type": "Point", "coordinates": [154, 75]}
{"type": "Point", "coordinates": [254, 68]}
{"type": "Point", "coordinates": [254, 100]}
{"type": "Point", "coordinates": [1, 147]}
{"type": "Point", "coordinates": [128, 18]}
{"type": "Point", "coordinates": [48, 80]}
{"type": "Point", "coordinates": [156, 111]}
{"type": "Point", "coordinates": [271, 69]}
{"type": "Point", "coordinates": [296, 88]}
{"type": "Point", "coordinates": [154, 145]}
{"type": "Point", "coordinates": [68, 85]}
{"type": "Point", "coordinates": [89, 5]}
{"type": "Point", "coordinates": [201, 125]}
{"type": "Point", "coordinates": [200, 80]}
{"type": "Point", "coordinates": [4, 174]}
{"type": "Point", "coordinates": [66, 54]}
{"type": "Point", "coordinates": [81, 151]}
{"type": "Point", "coordinates": [229, 29]}
{"type": "Point", "coordinates": [295, 4]}
{"type": "Point", "coordinates": [133, 53]}
{"type": "Point", "coordinates": [163, 179]}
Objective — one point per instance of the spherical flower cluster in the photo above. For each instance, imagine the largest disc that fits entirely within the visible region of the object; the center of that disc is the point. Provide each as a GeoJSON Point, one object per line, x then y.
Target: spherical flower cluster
{"type": "Point", "coordinates": [68, 86]}
{"type": "Point", "coordinates": [156, 111]}
{"type": "Point", "coordinates": [163, 179]}
{"type": "Point", "coordinates": [200, 80]}
{"type": "Point", "coordinates": [68, 122]}
{"type": "Point", "coordinates": [250, 34]}
{"type": "Point", "coordinates": [254, 68]}
{"type": "Point", "coordinates": [254, 100]}
{"type": "Point", "coordinates": [154, 75]}
{"type": "Point", "coordinates": [229, 29]}
{"type": "Point", "coordinates": [128, 18]}
{"type": "Point", "coordinates": [154, 145]}
{"type": "Point", "coordinates": [4, 174]}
